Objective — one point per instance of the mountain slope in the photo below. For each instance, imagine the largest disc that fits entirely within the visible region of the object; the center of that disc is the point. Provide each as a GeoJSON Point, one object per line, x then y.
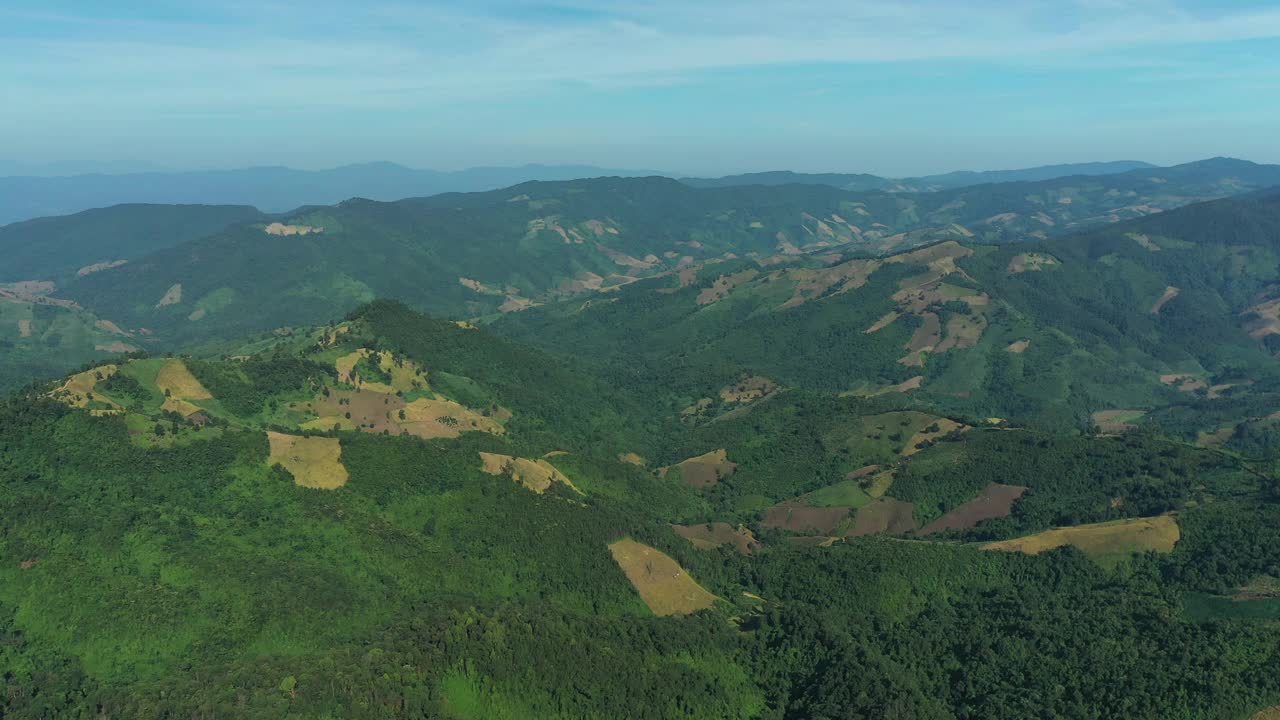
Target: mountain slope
{"type": "Point", "coordinates": [269, 535]}
{"type": "Point", "coordinates": [59, 248]}
{"type": "Point", "coordinates": [1158, 312]}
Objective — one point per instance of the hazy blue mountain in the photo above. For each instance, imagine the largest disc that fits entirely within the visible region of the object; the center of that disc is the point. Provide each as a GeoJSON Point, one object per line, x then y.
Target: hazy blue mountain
{"type": "Point", "coordinates": [963, 178]}
{"type": "Point", "coordinates": [273, 189]}
{"type": "Point", "coordinates": [927, 183]}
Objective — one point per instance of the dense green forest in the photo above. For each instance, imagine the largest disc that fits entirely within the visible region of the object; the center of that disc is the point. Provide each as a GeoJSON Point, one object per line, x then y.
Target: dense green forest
{"type": "Point", "coordinates": [158, 560]}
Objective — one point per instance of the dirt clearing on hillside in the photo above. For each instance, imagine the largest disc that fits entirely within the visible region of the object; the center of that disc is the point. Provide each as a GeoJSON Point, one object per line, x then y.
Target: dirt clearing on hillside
{"type": "Point", "coordinates": [24, 328]}
{"type": "Point", "coordinates": [799, 518]}
{"type": "Point", "coordinates": [1107, 540]}
{"type": "Point", "coordinates": [709, 536]}
{"type": "Point", "coordinates": [177, 382]}
{"type": "Point", "coordinates": [280, 229]}
{"type": "Point", "coordinates": [1170, 293]}
{"type": "Point", "coordinates": [1114, 422]}
{"type": "Point", "coordinates": [663, 585]}
{"type": "Point", "coordinates": [885, 321]}
{"type": "Point", "coordinates": [1018, 346]}
{"type": "Point", "coordinates": [704, 470]}
{"type": "Point", "coordinates": [80, 391]}
{"type": "Point", "coordinates": [995, 501]}
{"type": "Point", "coordinates": [884, 516]}
{"type": "Point", "coordinates": [315, 462]}
{"type": "Point", "coordinates": [536, 475]}
{"type": "Point", "coordinates": [172, 296]}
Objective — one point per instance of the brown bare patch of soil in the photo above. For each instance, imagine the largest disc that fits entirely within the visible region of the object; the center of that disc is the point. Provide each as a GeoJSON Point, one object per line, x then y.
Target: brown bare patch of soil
{"type": "Point", "coordinates": [111, 327]}
{"type": "Point", "coordinates": [863, 472]}
{"type": "Point", "coordinates": [631, 458]}
{"type": "Point", "coordinates": [884, 516]}
{"type": "Point", "coordinates": [15, 293]}
{"type": "Point", "coordinates": [478, 286]}
{"type": "Point", "coordinates": [172, 296]}
{"type": "Point", "coordinates": [281, 229]}
{"type": "Point", "coordinates": [1185, 382]}
{"type": "Point", "coordinates": [725, 284]}
{"type": "Point", "coordinates": [536, 475]}
{"type": "Point", "coordinates": [1030, 262]}
{"type": "Point", "coordinates": [813, 283]}
{"type": "Point", "coordinates": [923, 340]}
{"type": "Point", "coordinates": [1170, 293]}
{"type": "Point", "coordinates": [748, 389]}
{"type": "Point", "coordinates": [963, 331]}
{"type": "Point", "coordinates": [1018, 346]}
{"type": "Point", "coordinates": [24, 328]}
{"type": "Point", "coordinates": [79, 391]}
{"type": "Point", "coordinates": [1144, 241]}
{"type": "Point", "coordinates": [995, 501]}
{"type": "Point", "coordinates": [315, 462]}
{"type": "Point", "coordinates": [99, 267]}
{"type": "Point", "coordinates": [375, 412]}
{"type": "Point", "coordinates": [115, 347]}
{"type": "Point", "coordinates": [704, 470]}
{"type": "Point", "coordinates": [515, 303]}
{"type": "Point", "coordinates": [800, 518]}
{"type": "Point", "coordinates": [941, 427]}
{"type": "Point", "coordinates": [663, 585]}
{"type": "Point", "coordinates": [883, 322]}
{"type": "Point", "coordinates": [709, 536]}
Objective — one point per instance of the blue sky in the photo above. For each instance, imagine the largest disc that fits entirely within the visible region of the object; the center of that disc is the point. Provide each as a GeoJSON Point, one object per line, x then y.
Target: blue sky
{"type": "Point", "coordinates": [710, 87]}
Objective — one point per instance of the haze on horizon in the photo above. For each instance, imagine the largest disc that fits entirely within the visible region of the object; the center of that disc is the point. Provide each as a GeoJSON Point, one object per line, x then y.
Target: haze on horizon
{"type": "Point", "coordinates": [714, 87]}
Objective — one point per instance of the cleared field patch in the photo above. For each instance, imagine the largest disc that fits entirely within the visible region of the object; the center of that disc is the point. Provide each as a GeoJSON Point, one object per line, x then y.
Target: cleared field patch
{"type": "Point", "coordinates": [281, 229]}
{"type": "Point", "coordinates": [376, 412]}
{"type": "Point", "coordinates": [315, 462]}
{"type": "Point", "coordinates": [1144, 241]}
{"type": "Point", "coordinates": [1184, 382]}
{"type": "Point", "coordinates": [1107, 542]}
{"type": "Point", "coordinates": [1030, 262]}
{"type": "Point", "coordinates": [177, 382]}
{"type": "Point", "coordinates": [1170, 293]}
{"type": "Point", "coordinates": [1018, 346]}
{"type": "Point", "coordinates": [963, 331]}
{"type": "Point", "coordinates": [723, 285]}
{"type": "Point", "coordinates": [797, 517]}
{"type": "Point", "coordinates": [709, 536]}
{"type": "Point", "coordinates": [24, 328]}
{"type": "Point", "coordinates": [536, 475]}
{"type": "Point", "coordinates": [748, 389]}
{"type": "Point", "coordinates": [389, 375]}
{"type": "Point", "coordinates": [1215, 438]}
{"type": "Point", "coordinates": [924, 339]}
{"type": "Point", "coordinates": [847, 493]}
{"type": "Point", "coordinates": [879, 438]}
{"type": "Point", "coordinates": [931, 432]}
{"type": "Point", "coordinates": [663, 585]}
{"type": "Point", "coordinates": [1113, 422]}
{"type": "Point", "coordinates": [885, 321]}
{"type": "Point", "coordinates": [1266, 319]}
{"type": "Point", "coordinates": [172, 296]}
{"type": "Point", "coordinates": [631, 458]}
{"type": "Point", "coordinates": [884, 516]}
{"type": "Point", "coordinates": [704, 470]}
{"type": "Point", "coordinates": [995, 501]}
{"type": "Point", "coordinates": [905, 386]}
{"type": "Point", "coordinates": [1271, 713]}
{"type": "Point", "coordinates": [80, 391]}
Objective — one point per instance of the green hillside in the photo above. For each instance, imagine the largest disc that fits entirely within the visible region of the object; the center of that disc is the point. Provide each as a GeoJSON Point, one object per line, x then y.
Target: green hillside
{"type": "Point", "coordinates": [60, 248]}
{"type": "Point", "coordinates": [394, 516]}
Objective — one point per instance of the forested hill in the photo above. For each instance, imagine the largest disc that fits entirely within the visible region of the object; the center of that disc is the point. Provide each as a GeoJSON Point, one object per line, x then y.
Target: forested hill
{"type": "Point", "coordinates": [1155, 316]}
{"type": "Point", "coordinates": [397, 516]}
{"type": "Point", "coordinates": [56, 248]}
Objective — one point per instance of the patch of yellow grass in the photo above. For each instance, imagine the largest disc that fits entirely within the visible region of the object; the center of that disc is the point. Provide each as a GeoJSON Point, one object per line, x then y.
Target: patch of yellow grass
{"type": "Point", "coordinates": [24, 328]}
{"type": "Point", "coordinates": [535, 475]}
{"type": "Point", "coordinates": [179, 383]}
{"type": "Point", "coordinates": [440, 417]}
{"type": "Point", "coordinates": [316, 462]}
{"type": "Point", "coordinates": [663, 585]}
{"type": "Point", "coordinates": [405, 375]}
{"type": "Point", "coordinates": [78, 388]}
{"type": "Point", "coordinates": [945, 426]}
{"type": "Point", "coordinates": [1018, 346]}
{"type": "Point", "coordinates": [883, 322]}
{"type": "Point", "coordinates": [631, 458]}
{"type": "Point", "coordinates": [1118, 537]}
{"type": "Point", "coordinates": [281, 229]}
{"type": "Point", "coordinates": [1271, 713]}
{"type": "Point", "coordinates": [1170, 293]}
{"type": "Point", "coordinates": [172, 296]}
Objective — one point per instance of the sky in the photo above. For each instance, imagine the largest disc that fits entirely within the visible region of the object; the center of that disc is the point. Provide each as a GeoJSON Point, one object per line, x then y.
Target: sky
{"type": "Point", "coordinates": [704, 87]}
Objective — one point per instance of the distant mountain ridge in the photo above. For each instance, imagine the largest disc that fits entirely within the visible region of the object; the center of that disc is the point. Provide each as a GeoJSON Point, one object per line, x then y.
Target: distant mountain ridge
{"type": "Point", "coordinates": [926, 183]}
{"type": "Point", "coordinates": [272, 189]}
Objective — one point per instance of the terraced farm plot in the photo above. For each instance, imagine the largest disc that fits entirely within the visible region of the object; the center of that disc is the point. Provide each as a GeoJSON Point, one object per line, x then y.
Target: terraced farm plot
{"type": "Point", "coordinates": [663, 585]}
{"type": "Point", "coordinates": [709, 536]}
{"type": "Point", "coordinates": [1108, 542]}
{"type": "Point", "coordinates": [536, 475]}
{"type": "Point", "coordinates": [995, 501]}
{"type": "Point", "coordinates": [315, 462]}
{"type": "Point", "coordinates": [704, 470]}
{"type": "Point", "coordinates": [884, 516]}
